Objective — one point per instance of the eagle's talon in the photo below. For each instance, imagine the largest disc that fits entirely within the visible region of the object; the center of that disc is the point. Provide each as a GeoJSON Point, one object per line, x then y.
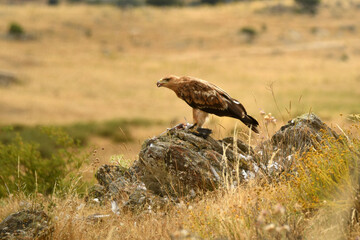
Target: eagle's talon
{"type": "Point", "coordinates": [201, 132]}
{"type": "Point", "coordinates": [179, 126]}
{"type": "Point", "coordinates": [191, 127]}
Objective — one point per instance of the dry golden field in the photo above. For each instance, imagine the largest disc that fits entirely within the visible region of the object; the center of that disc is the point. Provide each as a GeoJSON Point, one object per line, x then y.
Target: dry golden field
{"type": "Point", "coordinates": [102, 62]}
{"type": "Point", "coordinates": [84, 63]}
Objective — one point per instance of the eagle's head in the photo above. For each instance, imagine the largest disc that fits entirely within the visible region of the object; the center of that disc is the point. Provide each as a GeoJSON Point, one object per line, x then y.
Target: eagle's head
{"type": "Point", "coordinates": [167, 81]}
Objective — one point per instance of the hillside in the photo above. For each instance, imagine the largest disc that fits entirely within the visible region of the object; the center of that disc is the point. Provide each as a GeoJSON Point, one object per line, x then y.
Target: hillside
{"type": "Point", "coordinates": [102, 62]}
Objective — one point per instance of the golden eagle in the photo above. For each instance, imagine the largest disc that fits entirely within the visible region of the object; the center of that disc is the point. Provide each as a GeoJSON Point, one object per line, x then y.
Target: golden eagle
{"type": "Point", "coordinates": [206, 98]}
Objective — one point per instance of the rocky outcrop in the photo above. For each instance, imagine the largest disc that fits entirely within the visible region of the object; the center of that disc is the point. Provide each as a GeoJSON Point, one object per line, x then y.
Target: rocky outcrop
{"type": "Point", "coordinates": [26, 224]}
{"type": "Point", "coordinates": [175, 164]}
{"type": "Point", "coordinates": [179, 163]}
{"type": "Point", "coordinates": [300, 134]}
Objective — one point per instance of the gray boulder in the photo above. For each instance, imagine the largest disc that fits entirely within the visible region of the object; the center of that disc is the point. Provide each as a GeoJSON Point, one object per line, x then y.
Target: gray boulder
{"type": "Point", "coordinates": [26, 224]}
{"type": "Point", "coordinates": [300, 134]}
{"type": "Point", "coordinates": [171, 165]}
{"type": "Point", "coordinates": [121, 186]}
{"type": "Point", "coordinates": [180, 163]}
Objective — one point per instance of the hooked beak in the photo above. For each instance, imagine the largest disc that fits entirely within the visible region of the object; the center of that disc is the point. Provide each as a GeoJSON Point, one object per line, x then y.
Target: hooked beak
{"type": "Point", "coordinates": [159, 84]}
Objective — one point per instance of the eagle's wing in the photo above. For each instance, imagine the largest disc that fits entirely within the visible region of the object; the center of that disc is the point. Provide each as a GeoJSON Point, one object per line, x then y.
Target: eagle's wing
{"type": "Point", "coordinates": [209, 98]}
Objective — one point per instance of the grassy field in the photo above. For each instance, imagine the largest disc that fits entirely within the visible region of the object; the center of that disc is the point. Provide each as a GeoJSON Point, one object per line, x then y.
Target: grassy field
{"type": "Point", "coordinates": [101, 62]}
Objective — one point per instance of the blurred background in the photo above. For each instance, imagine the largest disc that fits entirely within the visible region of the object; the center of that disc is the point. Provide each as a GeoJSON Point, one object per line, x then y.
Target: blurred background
{"type": "Point", "coordinates": [89, 67]}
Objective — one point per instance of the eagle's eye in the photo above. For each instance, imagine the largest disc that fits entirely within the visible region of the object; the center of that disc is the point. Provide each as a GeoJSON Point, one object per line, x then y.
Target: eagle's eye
{"type": "Point", "coordinates": [167, 79]}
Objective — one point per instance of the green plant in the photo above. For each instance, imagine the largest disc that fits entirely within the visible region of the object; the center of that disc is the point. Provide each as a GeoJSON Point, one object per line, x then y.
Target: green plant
{"type": "Point", "coordinates": [309, 6]}
{"type": "Point", "coordinates": [327, 173]}
{"type": "Point", "coordinates": [25, 169]}
{"type": "Point", "coordinates": [249, 32]}
{"type": "Point", "coordinates": [162, 2]}
{"type": "Point", "coordinates": [53, 2]}
{"type": "Point", "coordinates": [15, 29]}
{"type": "Point", "coordinates": [120, 161]}
{"type": "Point", "coordinates": [211, 2]}
{"type": "Point", "coordinates": [125, 3]}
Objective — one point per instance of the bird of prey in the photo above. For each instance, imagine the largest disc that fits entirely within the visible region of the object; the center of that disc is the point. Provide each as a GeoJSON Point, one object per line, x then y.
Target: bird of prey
{"type": "Point", "coordinates": [206, 98]}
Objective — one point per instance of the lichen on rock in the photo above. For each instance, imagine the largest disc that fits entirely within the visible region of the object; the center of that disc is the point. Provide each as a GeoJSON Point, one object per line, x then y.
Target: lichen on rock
{"type": "Point", "coordinates": [179, 162]}
{"type": "Point", "coordinates": [26, 224]}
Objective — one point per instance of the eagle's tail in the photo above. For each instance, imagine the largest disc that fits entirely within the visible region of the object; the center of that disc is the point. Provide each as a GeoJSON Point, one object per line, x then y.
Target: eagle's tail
{"type": "Point", "coordinates": [250, 122]}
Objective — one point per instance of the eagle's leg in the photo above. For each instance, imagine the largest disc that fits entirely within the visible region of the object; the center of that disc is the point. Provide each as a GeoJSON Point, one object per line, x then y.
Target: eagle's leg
{"type": "Point", "coordinates": [199, 117]}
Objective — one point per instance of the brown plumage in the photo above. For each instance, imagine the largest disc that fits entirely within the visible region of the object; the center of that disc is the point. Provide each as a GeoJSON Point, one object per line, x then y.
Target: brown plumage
{"type": "Point", "coordinates": [205, 98]}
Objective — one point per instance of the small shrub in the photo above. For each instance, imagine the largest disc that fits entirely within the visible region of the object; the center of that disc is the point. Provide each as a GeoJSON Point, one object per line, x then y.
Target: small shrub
{"type": "Point", "coordinates": [249, 32]}
{"type": "Point", "coordinates": [53, 2]}
{"type": "Point", "coordinates": [308, 6]}
{"type": "Point", "coordinates": [263, 27]}
{"type": "Point", "coordinates": [88, 33]}
{"type": "Point", "coordinates": [325, 174]}
{"type": "Point", "coordinates": [211, 2]}
{"type": "Point", "coordinates": [16, 30]}
{"type": "Point", "coordinates": [162, 2]}
{"type": "Point", "coordinates": [25, 169]}
{"type": "Point", "coordinates": [344, 57]}
{"type": "Point", "coordinates": [126, 3]}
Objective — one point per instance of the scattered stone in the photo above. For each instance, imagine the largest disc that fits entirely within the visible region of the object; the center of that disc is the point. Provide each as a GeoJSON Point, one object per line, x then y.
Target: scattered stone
{"type": "Point", "coordinates": [96, 193]}
{"type": "Point", "coordinates": [117, 182]}
{"type": "Point", "coordinates": [120, 185]}
{"type": "Point", "coordinates": [183, 234]}
{"type": "Point", "coordinates": [7, 78]}
{"type": "Point", "coordinates": [96, 218]}
{"type": "Point", "coordinates": [27, 224]}
{"type": "Point", "coordinates": [144, 200]}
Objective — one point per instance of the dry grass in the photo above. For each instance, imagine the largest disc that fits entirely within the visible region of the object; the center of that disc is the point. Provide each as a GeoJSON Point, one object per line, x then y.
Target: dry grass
{"type": "Point", "coordinates": [101, 62]}
{"type": "Point", "coordinates": [316, 203]}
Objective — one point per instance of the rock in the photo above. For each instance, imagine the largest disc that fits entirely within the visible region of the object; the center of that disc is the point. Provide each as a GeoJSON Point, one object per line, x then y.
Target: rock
{"type": "Point", "coordinates": [171, 165]}
{"type": "Point", "coordinates": [7, 78]}
{"type": "Point", "coordinates": [96, 218]}
{"type": "Point", "coordinates": [26, 224]}
{"type": "Point", "coordinates": [183, 234]}
{"type": "Point", "coordinates": [300, 134]}
{"type": "Point", "coordinates": [96, 193]}
{"type": "Point", "coordinates": [121, 185]}
{"type": "Point", "coordinates": [117, 182]}
{"type": "Point", "coordinates": [180, 162]}
{"type": "Point", "coordinates": [142, 199]}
